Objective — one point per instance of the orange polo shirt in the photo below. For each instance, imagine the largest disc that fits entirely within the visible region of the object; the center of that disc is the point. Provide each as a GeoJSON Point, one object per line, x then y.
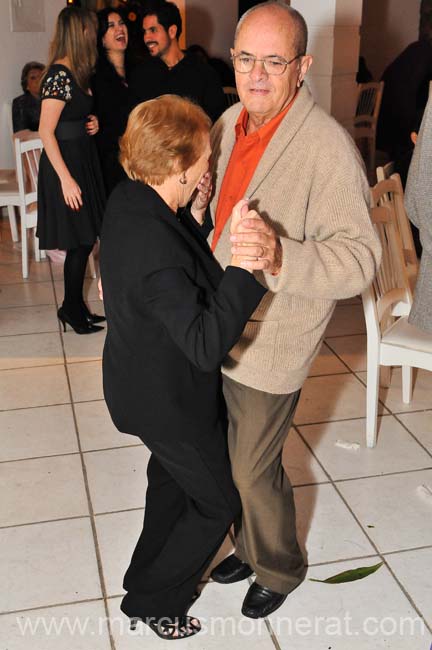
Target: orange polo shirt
{"type": "Point", "coordinates": [244, 159]}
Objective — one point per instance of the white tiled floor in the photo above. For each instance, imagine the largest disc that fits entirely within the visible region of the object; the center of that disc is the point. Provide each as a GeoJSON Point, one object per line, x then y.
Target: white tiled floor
{"type": "Point", "coordinates": [73, 491]}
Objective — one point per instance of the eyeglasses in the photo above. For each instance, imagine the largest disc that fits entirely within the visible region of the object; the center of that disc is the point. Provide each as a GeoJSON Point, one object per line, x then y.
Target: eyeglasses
{"type": "Point", "coordinates": [245, 63]}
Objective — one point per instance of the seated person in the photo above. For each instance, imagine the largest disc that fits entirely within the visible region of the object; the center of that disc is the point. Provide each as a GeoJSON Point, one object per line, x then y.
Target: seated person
{"type": "Point", "coordinates": [224, 71]}
{"type": "Point", "coordinates": [26, 108]}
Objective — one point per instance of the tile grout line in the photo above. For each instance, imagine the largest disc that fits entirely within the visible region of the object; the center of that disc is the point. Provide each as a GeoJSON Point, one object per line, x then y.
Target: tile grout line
{"type": "Point", "coordinates": [365, 532]}
{"type": "Point", "coordinates": [69, 453]}
{"type": "Point", "coordinates": [353, 372]}
{"type": "Point", "coordinates": [395, 415]}
{"type": "Point", "coordinates": [51, 606]}
{"type": "Point", "coordinates": [87, 487]}
{"type": "Point", "coordinates": [383, 558]}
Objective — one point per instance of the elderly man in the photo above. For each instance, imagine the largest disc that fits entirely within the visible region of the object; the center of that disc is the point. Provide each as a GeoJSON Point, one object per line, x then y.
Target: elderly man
{"type": "Point", "coordinates": [307, 233]}
{"type": "Point", "coordinates": [170, 70]}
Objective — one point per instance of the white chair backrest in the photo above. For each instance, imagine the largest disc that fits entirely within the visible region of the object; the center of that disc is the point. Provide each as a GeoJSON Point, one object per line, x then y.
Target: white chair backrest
{"type": "Point", "coordinates": [390, 191]}
{"type": "Point", "coordinates": [27, 156]}
{"type": "Point", "coordinates": [391, 285]}
{"type": "Point", "coordinates": [385, 171]}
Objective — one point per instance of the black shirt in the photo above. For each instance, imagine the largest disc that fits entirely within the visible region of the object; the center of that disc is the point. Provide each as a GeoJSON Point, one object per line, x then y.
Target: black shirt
{"type": "Point", "coordinates": [406, 87]}
{"type": "Point", "coordinates": [113, 104]}
{"type": "Point", "coordinates": [190, 78]}
{"type": "Point", "coordinates": [26, 112]}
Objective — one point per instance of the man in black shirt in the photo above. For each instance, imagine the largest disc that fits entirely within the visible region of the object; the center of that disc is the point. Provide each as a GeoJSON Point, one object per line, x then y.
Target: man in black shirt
{"type": "Point", "coordinates": [406, 89]}
{"type": "Point", "coordinates": [170, 70]}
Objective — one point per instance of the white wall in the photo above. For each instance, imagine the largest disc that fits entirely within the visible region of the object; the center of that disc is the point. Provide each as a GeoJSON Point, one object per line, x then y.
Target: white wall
{"type": "Point", "coordinates": [16, 49]}
{"type": "Point", "coordinates": [388, 26]}
{"type": "Point", "coordinates": [212, 25]}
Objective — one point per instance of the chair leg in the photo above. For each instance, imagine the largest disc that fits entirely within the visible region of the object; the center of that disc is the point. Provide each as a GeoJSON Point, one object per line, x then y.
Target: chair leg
{"type": "Point", "coordinates": [24, 252]}
{"type": "Point", "coordinates": [36, 246]}
{"type": "Point", "coordinates": [12, 222]}
{"type": "Point", "coordinates": [372, 402]}
{"type": "Point", "coordinates": [407, 384]}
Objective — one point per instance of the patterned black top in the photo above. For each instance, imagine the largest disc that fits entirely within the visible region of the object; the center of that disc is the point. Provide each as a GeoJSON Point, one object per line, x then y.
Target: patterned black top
{"type": "Point", "coordinates": [60, 84]}
{"type": "Point", "coordinates": [57, 84]}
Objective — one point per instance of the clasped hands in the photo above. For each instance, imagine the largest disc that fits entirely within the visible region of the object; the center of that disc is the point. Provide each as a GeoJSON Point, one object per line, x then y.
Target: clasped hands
{"type": "Point", "coordinates": [255, 244]}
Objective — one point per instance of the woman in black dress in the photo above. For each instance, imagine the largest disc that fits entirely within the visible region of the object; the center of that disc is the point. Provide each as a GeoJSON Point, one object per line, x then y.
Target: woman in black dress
{"type": "Point", "coordinates": [71, 195]}
{"type": "Point", "coordinates": [111, 92]}
{"type": "Point", "coordinates": [173, 315]}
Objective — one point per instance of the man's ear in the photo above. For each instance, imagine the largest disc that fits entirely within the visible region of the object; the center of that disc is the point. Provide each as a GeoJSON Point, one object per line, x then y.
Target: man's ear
{"type": "Point", "coordinates": [172, 32]}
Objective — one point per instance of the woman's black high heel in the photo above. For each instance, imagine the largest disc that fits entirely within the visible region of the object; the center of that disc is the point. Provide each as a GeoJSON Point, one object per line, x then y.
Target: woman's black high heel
{"type": "Point", "coordinates": [181, 627]}
{"type": "Point", "coordinates": [92, 318]}
{"type": "Point", "coordinates": [84, 327]}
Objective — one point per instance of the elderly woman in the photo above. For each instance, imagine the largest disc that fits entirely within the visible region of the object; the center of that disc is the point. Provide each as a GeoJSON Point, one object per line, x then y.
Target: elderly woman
{"type": "Point", "coordinates": [27, 107]}
{"type": "Point", "coordinates": [173, 315]}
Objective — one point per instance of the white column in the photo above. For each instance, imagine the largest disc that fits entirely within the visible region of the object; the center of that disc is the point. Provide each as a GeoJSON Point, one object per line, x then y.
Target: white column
{"type": "Point", "coordinates": [181, 4]}
{"type": "Point", "coordinates": [334, 42]}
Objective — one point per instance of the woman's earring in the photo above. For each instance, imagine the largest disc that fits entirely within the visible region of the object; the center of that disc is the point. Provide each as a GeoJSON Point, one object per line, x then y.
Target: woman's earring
{"type": "Point", "coordinates": [183, 179]}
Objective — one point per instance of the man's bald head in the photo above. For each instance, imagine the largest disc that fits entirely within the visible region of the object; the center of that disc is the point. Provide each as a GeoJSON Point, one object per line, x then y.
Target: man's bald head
{"type": "Point", "coordinates": [287, 13]}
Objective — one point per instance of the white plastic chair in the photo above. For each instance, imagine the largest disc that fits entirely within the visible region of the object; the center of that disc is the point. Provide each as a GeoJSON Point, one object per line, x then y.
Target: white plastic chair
{"type": "Point", "coordinates": [27, 155]}
{"type": "Point", "coordinates": [9, 198]}
{"type": "Point", "coordinates": [391, 340]}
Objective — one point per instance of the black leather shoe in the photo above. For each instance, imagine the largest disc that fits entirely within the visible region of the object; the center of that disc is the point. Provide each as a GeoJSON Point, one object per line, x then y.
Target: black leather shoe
{"type": "Point", "coordinates": [231, 570]}
{"type": "Point", "coordinates": [261, 601]}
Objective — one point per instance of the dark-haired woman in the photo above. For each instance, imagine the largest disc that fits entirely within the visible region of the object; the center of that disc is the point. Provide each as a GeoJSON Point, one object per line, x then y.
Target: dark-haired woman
{"type": "Point", "coordinates": [26, 108]}
{"type": "Point", "coordinates": [111, 92]}
{"type": "Point", "coordinates": [71, 195]}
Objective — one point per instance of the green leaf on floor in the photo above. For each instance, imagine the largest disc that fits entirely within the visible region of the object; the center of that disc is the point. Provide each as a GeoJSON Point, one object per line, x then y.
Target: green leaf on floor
{"type": "Point", "coordinates": [351, 575]}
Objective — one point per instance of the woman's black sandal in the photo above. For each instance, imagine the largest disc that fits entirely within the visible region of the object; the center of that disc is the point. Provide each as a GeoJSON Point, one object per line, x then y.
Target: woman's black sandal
{"type": "Point", "coordinates": [182, 627]}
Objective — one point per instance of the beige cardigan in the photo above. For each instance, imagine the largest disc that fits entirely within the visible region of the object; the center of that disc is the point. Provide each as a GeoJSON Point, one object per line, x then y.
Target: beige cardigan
{"type": "Point", "coordinates": [311, 186]}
